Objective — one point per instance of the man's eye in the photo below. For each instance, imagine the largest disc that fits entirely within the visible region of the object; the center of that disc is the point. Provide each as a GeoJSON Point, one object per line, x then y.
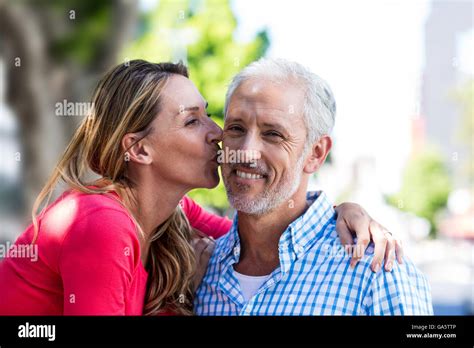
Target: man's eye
{"type": "Point", "coordinates": [273, 134]}
{"type": "Point", "coordinates": [235, 128]}
{"type": "Point", "coordinates": [191, 122]}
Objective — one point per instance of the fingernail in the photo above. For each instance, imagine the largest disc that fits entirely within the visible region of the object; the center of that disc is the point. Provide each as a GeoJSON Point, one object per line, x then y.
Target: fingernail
{"type": "Point", "coordinates": [353, 263]}
{"type": "Point", "coordinates": [347, 249]}
{"type": "Point", "coordinates": [376, 267]}
{"type": "Point", "coordinates": [389, 266]}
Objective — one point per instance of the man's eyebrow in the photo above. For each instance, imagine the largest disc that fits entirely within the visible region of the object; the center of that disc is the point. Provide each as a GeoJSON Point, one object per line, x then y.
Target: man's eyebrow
{"type": "Point", "coordinates": [275, 125]}
{"type": "Point", "coordinates": [236, 119]}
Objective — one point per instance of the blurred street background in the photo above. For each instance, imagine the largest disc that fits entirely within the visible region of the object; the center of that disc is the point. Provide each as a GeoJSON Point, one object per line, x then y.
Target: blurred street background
{"type": "Point", "coordinates": [402, 73]}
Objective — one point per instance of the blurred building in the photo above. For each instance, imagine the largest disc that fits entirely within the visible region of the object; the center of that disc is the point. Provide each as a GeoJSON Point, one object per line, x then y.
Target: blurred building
{"type": "Point", "coordinates": [442, 118]}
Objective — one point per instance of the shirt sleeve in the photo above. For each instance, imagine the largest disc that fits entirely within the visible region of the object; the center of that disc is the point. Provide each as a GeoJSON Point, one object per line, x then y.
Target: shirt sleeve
{"type": "Point", "coordinates": [97, 262]}
{"type": "Point", "coordinates": [404, 291]}
{"type": "Point", "coordinates": [210, 224]}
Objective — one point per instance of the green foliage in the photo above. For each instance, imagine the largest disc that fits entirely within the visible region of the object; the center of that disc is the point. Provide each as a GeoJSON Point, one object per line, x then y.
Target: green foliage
{"type": "Point", "coordinates": [84, 28]}
{"type": "Point", "coordinates": [425, 188]}
{"type": "Point", "coordinates": [213, 56]}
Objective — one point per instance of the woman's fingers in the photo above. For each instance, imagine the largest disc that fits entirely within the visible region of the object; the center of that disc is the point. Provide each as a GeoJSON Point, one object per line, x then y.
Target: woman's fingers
{"type": "Point", "coordinates": [380, 243]}
{"type": "Point", "coordinates": [207, 252]}
{"type": "Point", "coordinates": [363, 240]}
{"type": "Point", "coordinates": [344, 234]}
{"type": "Point", "coordinates": [198, 244]}
{"type": "Point", "coordinates": [203, 248]}
{"type": "Point", "coordinates": [361, 228]}
{"type": "Point", "coordinates": [399, 250]}
{"type": "Point", "coordinates": [353, 218]}
{"type": "Point", "coordinates": [390, 252]}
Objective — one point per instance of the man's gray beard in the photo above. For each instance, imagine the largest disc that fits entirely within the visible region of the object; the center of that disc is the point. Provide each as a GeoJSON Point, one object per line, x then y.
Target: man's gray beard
{"type": "Point", "coordinates": [271, 198]}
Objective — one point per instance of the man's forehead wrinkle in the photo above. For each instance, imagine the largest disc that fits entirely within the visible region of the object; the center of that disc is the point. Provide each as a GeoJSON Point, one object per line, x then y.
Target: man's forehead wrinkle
{"type": "Point", "coordinates": [257, 108]}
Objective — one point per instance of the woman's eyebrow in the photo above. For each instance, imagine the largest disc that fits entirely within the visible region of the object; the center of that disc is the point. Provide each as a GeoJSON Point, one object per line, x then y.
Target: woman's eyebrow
{"type": "Point", "coordinates": [190, 108]}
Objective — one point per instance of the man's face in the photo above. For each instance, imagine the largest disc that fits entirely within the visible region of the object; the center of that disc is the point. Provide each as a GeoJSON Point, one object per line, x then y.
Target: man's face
{"type": "Point", "coordinates": [264, 119]}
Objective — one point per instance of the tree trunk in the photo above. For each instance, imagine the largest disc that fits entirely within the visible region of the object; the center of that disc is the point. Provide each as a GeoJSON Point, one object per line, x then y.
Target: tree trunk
{"type": "Point", "coordinates": [35, 82]}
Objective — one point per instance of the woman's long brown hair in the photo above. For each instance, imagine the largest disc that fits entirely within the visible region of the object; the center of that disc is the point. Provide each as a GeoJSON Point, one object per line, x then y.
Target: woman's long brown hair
{"type": "Point", "coordinates": [126, 100]}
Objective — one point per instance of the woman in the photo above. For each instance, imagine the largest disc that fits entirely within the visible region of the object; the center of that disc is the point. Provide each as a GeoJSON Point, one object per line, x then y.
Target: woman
{"type": "Point", "coordinates": [122, 244]}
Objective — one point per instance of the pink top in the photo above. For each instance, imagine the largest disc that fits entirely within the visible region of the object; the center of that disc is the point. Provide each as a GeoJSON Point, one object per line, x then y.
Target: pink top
{"type": "Point", "coordinates": [87, 259]}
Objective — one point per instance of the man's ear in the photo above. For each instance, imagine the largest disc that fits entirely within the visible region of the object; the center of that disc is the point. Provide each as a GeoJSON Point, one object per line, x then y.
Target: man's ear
{"type": "Point", "coordinates": [318, 154]}
{"type": "Point", "coordinates": [136, 149]}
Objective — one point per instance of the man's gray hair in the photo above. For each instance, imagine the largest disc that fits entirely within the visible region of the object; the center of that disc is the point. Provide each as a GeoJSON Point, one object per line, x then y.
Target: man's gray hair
{"type": "Point", "coordinates": [319, 109]}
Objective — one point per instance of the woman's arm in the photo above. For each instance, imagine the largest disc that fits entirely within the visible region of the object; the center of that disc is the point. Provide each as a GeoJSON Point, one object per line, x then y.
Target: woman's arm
{"type": "Point", "coordinates": [212, 225]}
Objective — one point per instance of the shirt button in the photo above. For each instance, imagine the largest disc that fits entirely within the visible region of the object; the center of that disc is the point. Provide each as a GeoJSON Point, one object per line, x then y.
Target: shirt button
{"type": "Point", "coordinates": [236, 250]}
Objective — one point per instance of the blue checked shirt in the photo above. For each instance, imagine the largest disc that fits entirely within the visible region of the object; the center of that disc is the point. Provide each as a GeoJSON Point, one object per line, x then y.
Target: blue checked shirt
{"type": "Point", "coordinates": [314, 277]}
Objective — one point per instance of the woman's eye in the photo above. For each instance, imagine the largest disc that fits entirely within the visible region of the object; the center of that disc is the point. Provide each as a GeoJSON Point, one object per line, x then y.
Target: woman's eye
{"type": "Point", "coordinates": [209, 115]}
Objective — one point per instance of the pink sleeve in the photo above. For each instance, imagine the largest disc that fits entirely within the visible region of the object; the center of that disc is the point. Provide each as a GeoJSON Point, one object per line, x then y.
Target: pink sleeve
{"type": "Point", "coordinates": [210, 224]}
{"type": "Point", "coordinates": [97, 263]}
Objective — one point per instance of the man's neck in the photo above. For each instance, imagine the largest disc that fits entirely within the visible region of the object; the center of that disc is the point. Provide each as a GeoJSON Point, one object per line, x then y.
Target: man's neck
{"type": "Point", "coordinates": [260, 235]}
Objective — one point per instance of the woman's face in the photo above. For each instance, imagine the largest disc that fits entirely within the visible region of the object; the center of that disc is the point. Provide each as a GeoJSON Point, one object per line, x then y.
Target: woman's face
{"type": "Point", "coordinates": [184, 140]}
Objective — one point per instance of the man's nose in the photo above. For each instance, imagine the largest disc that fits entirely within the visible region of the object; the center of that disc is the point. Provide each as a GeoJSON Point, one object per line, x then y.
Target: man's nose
{"type": "Point", "coordinates": [251, 147]}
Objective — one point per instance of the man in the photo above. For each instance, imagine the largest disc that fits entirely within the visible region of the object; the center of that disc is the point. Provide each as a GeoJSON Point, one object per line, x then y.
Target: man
{"type": "Point", "coordinates": [281, 255]}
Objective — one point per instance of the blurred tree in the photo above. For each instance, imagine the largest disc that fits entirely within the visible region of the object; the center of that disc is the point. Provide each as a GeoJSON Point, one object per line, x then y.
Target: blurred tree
{"type": "Point", "coordinates": [201, 33]}
{"type": "Point", "coordinates": [55, 50]}
{"type": "Point", "coordinates": [425, 187]}
{"type": "Point", "coordinates": [465, 97]}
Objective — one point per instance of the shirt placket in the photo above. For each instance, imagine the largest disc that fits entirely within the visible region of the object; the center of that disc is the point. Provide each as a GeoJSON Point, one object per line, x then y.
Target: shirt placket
{"type": "Point", "coordinates": [248, 308]}
{"type": "Point", "coordinates": [286, 258]}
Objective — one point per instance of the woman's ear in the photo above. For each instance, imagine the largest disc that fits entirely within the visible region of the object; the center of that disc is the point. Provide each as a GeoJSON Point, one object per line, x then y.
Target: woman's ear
{"type": "Point", "coordinates": [136, 149]}
{"type": "Point", "coordinates": [318, 154]}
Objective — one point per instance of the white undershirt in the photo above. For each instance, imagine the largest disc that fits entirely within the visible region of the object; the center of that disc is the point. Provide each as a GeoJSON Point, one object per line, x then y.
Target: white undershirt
{"type": "Point", "coordinates": [250, 284]}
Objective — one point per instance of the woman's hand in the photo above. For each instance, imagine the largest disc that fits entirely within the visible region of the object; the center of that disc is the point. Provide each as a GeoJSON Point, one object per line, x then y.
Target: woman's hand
{"type": "Point", "coordinates": [353, 219]}
{"type": "Point", "coordinates": [203, 248]}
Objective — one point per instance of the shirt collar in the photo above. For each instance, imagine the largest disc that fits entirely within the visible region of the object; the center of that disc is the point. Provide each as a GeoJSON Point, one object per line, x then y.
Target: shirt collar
{"type": "Point", "coordinates": [298, 236]}
{"type": "Point", "coordinates": [305, 229]}
{"type": "Point", "coordinates": [232, 242]}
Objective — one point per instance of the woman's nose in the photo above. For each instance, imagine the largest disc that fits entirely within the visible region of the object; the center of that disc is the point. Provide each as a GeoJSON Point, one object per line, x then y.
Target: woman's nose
{"type": "Point", "coordinates": [215, 133]}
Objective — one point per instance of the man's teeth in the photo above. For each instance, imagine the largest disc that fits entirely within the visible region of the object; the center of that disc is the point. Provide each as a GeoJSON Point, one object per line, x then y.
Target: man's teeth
{"type": "Point", "coordinates": [247, 175]}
